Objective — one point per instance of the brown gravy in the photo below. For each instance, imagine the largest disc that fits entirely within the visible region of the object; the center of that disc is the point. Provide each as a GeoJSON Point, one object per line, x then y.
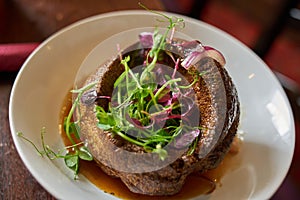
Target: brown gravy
{"type": "Point", "coordinates": [196, 184]}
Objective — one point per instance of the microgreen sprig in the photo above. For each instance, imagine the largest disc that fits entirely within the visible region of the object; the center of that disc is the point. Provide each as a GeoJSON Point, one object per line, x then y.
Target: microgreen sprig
{"type": "Point", "coordinates": [159, 40]}
{"type": "Point", "coordinates": [71, 154]}
{"type": "Point", "coordinates": [69, 125]}
{"type": "Point", "coordinates": [77, 151]}
{"type": "Point", "coordinates": [145, 113]}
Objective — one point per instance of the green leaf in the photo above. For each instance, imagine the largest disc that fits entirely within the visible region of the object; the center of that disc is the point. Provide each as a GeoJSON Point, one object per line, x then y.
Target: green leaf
{"type": "Point", "coordinates": [105, 120]}
{"type": "Point", "coordinates": [162, 132]}
{"type": "Point", "coordinates": [162, 153]}
{"type": "Point", "coordinates": [84, 154]}
{"type": "Point", "coordinates": [125, 60]}
{"type": "Point", "coordinates": [104, 127]}
{"type": "Point", "coordinates": [74, 128]}
{"type": "Point", "coordinates": [144, 93]}
{"type": "Point", "coordinates": [71, 160]}
{"type": "Point", "coordinates": [157, 39]}
{"type": "Point", "coordinates": [99, 109]}
{"type": "Point", "coordinates": [120, 79]}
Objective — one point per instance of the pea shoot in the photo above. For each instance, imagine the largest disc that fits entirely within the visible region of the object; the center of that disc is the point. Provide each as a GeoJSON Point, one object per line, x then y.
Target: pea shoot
{"type": "Point", "coordinates": [71, 154]}
{"type": "Point", "coordinates": [151, 114]}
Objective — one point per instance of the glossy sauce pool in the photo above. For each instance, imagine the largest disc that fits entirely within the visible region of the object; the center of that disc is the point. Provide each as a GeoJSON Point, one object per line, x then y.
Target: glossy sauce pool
{"type": "Point", "coordinates": [196, 184]}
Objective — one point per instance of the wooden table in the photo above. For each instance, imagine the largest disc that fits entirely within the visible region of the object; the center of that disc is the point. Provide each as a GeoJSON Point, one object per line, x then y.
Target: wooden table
{"type": "Point", "coordinates": [16, 182]}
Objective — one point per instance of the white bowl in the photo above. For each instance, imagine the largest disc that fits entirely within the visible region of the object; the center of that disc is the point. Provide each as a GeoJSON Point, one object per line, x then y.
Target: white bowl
{"type": "Point", "coordinates": [49, 73]}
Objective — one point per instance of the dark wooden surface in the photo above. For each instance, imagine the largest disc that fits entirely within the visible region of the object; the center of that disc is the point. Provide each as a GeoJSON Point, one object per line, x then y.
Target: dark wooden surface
{"type": "Point", "coordinates": [16, 182]}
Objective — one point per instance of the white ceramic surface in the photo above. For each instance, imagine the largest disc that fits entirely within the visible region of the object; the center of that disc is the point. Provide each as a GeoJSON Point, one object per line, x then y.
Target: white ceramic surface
{"type": "Point", "coordinates": [50, 71]}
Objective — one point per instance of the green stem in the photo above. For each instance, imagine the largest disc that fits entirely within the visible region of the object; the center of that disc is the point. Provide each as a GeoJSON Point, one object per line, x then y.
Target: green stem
{"type": "Point", "coordinates": [20, 134]}
{"type": "Point", "coordinates": [188, 86]}
{"type": "Point", "coordinates": [153, 99]}
{"type": "Point", "coordinates": [128, 70]}
{"type": "Point", "coordinates": [74, 105]}
{"type": "Point", "coordinates": [165, 85]}
{"type": "Point", "coordinates": [129, 139]}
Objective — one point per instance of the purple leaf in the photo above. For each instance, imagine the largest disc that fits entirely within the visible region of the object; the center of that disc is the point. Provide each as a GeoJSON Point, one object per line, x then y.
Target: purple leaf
{"type": "Point", "coordinates": [89, 97]}
{"type": "Point", "coordinates": [215, 54]}
{"type": "Point", "coordinates": [186, 105]}
{"type": "Point", "coordinates": [137, 123]}
{"type": "Point", "coordinates": [193, 58]}
{"type": "Point", "coordinates": [146, 39]}
{"type": "Point", "coordinates": [160, 78]}
{"type": "Point", "coordinates": [191, 46]}
{"type": "Point", "coordinates": [186, 139]}
{"type": "Point", "coordinates": [164, 96]}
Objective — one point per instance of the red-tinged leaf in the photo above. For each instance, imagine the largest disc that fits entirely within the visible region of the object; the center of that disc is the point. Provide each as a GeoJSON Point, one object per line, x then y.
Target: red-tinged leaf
{"type": "Point", "coordinates": [146, 39]}
{"type": "Point", "coordinates": [186, 139]}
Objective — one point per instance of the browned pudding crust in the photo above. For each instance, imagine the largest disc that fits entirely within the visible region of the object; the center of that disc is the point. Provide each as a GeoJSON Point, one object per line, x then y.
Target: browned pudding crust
{"type": "Point", "coordinates": [219, 110]}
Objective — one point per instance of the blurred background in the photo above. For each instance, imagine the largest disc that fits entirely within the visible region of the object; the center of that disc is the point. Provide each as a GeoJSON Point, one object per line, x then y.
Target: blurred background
{"type": "Point", "coordinates": [270, 27]}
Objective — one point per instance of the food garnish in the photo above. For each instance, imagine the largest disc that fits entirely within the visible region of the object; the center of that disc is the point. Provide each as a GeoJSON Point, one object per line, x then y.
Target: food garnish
{"type": "Point", "coordinates": [71, 154]}
{"type": "Point", "coordinates": [149, 109]}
